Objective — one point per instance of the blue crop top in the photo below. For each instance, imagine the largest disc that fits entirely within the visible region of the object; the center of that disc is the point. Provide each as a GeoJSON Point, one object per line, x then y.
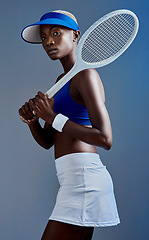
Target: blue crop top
{"type": "Point", "coordinates": [66, 105]}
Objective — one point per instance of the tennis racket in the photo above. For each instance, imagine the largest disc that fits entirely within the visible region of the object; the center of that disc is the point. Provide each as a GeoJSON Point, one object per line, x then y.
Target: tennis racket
{"type": "Point", "coordinates": [101, 44]}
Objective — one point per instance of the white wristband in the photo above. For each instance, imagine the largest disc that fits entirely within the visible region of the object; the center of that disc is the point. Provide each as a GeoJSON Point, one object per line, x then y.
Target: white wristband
{"type": "Point", "coordinates": [59, 122]}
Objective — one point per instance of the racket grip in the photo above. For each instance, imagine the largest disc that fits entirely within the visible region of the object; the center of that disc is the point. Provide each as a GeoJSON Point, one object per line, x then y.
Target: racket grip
{"type": "Point", "coordinates": [49, 94]}
{"type": "Point", "coordinates": [56, 87]}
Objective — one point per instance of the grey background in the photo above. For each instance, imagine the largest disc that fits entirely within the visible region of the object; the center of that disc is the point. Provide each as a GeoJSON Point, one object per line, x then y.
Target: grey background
{"type": "Point", "coordinates": [28, 183]}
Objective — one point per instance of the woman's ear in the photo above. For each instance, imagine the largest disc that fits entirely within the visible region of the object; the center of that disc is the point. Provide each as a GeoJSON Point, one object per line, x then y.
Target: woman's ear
{"type": "Point", "coordinates": [76, 35]}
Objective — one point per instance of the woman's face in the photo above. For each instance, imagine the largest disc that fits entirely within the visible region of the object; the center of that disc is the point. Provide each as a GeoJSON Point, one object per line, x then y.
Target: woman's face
{"type": "Point", "coordinates": [57, 41]}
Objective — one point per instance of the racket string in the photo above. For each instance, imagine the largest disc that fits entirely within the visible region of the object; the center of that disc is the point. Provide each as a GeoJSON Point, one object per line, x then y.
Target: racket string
{"type": "Point", "coordinates": [113, 39]}
{"type": "Point", "coordinates": [105, 26]}
{"type": "Point", "coordinates": [102, 30]}
{"type": "Point", "coordinates": [111, 21]}
{"type": "Point", "coordinates": [121, 28]}
{"type": "Point", "coordinates": [107, 50]}
{"type": "Point", "coordinates": [108, 38]}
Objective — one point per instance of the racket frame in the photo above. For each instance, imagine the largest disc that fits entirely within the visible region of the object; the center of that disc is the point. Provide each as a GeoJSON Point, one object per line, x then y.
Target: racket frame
{"type": "Point", "coordinates": [80, 64]}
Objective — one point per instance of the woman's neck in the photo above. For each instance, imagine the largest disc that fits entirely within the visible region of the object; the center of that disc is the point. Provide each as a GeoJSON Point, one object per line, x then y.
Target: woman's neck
{"type": "Point", "coordinates": [68, 61]}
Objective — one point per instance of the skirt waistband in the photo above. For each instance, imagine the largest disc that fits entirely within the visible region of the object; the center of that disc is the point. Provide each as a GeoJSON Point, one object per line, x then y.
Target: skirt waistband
{"type": "Point", "coordinates": [73, 160]}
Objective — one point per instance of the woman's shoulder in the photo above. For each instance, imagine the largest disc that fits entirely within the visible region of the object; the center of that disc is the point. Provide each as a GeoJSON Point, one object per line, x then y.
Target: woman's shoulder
{"type": "Point", "coordinates": [89, 80]}
{"type": "Point", "coordinates": [89, 77]}
{"type": "Point", "coordinates": [87, 74]}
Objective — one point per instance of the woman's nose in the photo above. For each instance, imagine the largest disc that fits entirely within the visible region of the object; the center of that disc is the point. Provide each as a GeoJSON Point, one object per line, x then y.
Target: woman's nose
{"type": "Point", "coordinates": [50, 41]}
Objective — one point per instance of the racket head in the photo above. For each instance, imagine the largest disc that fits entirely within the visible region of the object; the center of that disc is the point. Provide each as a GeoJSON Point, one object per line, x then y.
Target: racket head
{"type": "Point", "coordinates": [107, 39]}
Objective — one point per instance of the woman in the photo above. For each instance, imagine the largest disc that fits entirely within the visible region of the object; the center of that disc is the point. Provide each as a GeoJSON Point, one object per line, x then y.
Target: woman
{"type": "Point", "coordinates": [76, 120]}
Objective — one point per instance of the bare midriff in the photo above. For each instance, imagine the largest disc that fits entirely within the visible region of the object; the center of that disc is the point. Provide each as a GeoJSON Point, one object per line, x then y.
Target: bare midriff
{"type": "Point", "coordinates": [65, 144]}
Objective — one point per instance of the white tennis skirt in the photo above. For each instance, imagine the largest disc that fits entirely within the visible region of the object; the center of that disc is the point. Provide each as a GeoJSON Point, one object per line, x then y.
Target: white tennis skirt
{"type": "Point", "coordinates": [85, 196]}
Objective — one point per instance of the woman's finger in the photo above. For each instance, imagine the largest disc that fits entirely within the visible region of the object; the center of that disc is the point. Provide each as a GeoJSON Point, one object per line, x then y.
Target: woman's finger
{"type": "Point", "coordinates": [36, 111]}
{"type": "Point", "coordinates": [32, 103]}
{"type": "Point", "coordinates": [41, 95]}
{"type": "Point", "coordinates": [28, 111]}
{"type": "Point", "coordinates": [23, 109]}
{"type": "Point", "coordinates": [20, 112]}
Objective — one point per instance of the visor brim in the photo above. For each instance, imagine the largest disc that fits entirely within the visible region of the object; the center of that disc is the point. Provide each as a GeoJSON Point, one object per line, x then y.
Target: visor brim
{"type": "Point", "coordinates": [31, 33]}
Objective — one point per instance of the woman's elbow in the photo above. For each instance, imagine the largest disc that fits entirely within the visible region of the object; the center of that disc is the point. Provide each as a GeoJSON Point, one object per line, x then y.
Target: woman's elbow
{"type": "Point", "coordinates": [104, 142]}
{"type": "Point", "coordinates": [108, 146]}
{"type": "Point", "coordinates": [46, 145]}
{"type": "Point", "coordinates": [108, 143]}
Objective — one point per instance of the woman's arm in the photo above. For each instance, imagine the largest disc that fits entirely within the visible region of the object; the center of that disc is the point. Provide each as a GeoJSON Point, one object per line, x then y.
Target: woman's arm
{"type": "Point", "coordinates": [92, 136]}
{"type": "Point", "coordinates": [90, 89]}
{"type": "Point", "coordinates": [43, 136]}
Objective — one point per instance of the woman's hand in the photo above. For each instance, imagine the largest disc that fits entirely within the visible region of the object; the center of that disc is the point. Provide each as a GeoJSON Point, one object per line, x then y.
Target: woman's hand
{"type": "Point", "coordinates": [26, 112]}
{"type": "Point", "coordinates": [43, 107]}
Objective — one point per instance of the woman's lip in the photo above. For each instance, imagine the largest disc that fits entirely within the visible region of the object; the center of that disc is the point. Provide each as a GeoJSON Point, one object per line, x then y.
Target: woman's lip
{"type": "Point", "coordinates": [52, 50]}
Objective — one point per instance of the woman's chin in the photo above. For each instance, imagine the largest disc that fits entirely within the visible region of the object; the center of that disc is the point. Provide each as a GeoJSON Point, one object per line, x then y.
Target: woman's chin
{"type": "Point", "coordinates": [53, 57]}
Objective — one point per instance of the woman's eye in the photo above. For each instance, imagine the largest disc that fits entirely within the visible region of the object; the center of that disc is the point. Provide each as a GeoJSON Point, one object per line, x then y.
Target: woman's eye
{"type": "Point", "coordinates": [55, 33]}
{"type": "Point", "coordinates": [43, 38]}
